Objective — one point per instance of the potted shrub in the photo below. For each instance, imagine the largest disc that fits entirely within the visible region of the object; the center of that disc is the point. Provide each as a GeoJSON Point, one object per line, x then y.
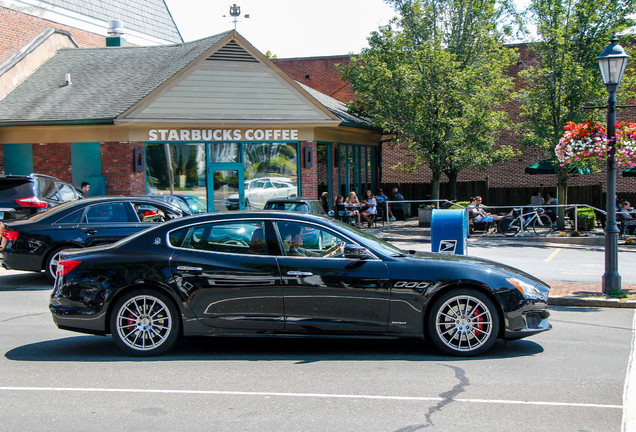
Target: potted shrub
{"type": "Point", "coordinates": [424, 214]}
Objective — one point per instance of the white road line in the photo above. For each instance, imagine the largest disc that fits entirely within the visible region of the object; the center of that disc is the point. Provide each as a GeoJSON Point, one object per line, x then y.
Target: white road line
{"type": "Point", "coordinates": [629, 392]}
{"type": "Point", "coordinates": [552, 255]}
{"type": "Point", "coordinates": [309, 395]}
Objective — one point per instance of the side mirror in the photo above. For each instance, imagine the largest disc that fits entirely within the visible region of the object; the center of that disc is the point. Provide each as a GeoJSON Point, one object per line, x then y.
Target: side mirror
{"type": "Point", "coordinates": [354, 251]}
{"type": "Point", "coordinates": [330, 213]}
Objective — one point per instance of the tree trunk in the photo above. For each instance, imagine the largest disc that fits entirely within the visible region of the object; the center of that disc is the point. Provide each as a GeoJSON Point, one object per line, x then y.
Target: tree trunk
{"type": "Point", "coordinates": [452, 182]}
{"type": "Point", "coordinates": [435, 184]}
{"type": "Point", "coordinates": [562, 194]}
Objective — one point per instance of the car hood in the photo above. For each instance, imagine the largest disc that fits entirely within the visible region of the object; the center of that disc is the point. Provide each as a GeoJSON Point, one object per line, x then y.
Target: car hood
{"type": "Point", "coordinates": [468, 262]}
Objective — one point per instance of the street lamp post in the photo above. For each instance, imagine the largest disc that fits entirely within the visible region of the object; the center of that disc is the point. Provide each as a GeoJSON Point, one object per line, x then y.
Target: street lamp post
{"type": "Point", "coordinates": [612, 62]}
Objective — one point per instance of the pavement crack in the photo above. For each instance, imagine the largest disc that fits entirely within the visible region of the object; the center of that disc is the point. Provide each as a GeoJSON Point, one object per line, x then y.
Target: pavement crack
{"type": "Point", "coordinates": [22, 316]}
{"type": "Point", "coordinates": [447, 398]}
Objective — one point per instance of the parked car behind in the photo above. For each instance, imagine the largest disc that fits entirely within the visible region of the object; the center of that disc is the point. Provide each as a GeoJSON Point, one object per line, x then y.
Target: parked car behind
{"type": "Point", "coordinates": [303, 205]}
{"type": "Point", "coordinates": [24, 195]}
{"type": "Point", "coordinates": [34, 243]}
{"type": "Point", "coordinates": [189, 204]}
{"type": "Point", "coordinates": [259, 190]}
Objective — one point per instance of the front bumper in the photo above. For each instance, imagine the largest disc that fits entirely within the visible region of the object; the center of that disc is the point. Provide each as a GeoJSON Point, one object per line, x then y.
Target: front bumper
{"type": "Point", "coordinates": [527, 322]}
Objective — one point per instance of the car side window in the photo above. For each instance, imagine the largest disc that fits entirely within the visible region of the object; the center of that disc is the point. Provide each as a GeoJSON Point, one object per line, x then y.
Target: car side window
{"type": "Point", "coordinates": [65, 193]}
{"type": "Point", "coordinates": [179, 203]}
{"type": "Point", "coordinates": [298, 239]}
{"type": "Point", "coordinates": [46, 188]}
{"type": "Point", "coordinates": [241, 237]}
{"type": "Point", "coordinates": [73, 218]}
{"type": "Point", "coordinates": [110, 212]}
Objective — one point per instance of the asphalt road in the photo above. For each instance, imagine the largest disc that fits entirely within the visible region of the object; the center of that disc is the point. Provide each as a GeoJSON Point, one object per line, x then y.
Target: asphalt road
{"type": "Point", "coordinates": [569, 379]}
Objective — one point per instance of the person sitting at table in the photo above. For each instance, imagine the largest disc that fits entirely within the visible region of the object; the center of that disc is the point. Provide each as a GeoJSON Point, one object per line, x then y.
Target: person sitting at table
{"type": "Point", "coordinates": [381, 199]}
{"type": "Point", "coordinates": [397, 208]}
{"type": "Point", "coordinates": [626, 218]}
{"type": "Point", "coordinates": [324, 201]}
{"type": "Point", "coordinates": [551, 211]}
{"type": "Point", "coordinates": [480, 213]}
{"type": "Point", "coordinates": [371, 210]}
{"type": "Point", "coordinates": [352, 204]}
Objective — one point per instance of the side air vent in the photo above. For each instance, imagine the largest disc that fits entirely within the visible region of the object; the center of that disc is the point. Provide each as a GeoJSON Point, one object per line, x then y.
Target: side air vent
{"type": "Point", "coordinates": [232, 52]}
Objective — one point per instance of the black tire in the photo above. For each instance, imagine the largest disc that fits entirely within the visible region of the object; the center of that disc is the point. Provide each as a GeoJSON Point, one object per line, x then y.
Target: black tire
{"type": "Point", "coordinates": [463, 322]}
{"type": "Point", "coordinates": [542, 225]}
{"type": "Point", "coordinates": [509, 225]}
{"type": "Point", "coordinates": [50, 261]}
{"type": "Point", "coordinates": [145, 323]}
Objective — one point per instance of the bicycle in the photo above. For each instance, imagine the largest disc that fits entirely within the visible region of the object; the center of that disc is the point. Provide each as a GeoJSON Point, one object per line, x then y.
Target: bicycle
{"type": "Point", "coordinates": [537, 219]}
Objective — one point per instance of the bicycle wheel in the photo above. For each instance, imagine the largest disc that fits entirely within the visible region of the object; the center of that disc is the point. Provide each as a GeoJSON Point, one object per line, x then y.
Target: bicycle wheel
{"type": "Point", "coordinates": [542, 225]}
{"type": "Point", "coordinates": [509, 225]}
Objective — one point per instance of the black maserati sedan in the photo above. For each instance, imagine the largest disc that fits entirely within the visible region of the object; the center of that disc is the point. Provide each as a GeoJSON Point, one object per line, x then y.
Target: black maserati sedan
{"type": "Point", "coordinates": [34, 243]}
{"type": "Point", "coordinates": [252, 273]}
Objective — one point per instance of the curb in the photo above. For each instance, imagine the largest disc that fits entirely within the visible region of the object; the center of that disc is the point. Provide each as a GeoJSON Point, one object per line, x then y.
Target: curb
{"type": "Point", "coordinates": [591, 302]}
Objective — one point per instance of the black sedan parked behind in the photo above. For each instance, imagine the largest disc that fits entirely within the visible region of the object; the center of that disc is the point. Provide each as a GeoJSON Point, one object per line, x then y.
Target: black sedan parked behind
{"type": "Point", "coordinates": [252, 273]}
{"type": "Point", "coordinates": [34, 244]}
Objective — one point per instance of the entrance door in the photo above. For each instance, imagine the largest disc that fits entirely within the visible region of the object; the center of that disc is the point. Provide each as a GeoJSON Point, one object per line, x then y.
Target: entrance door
{"type": "Point", "coordinates": [225, 187]}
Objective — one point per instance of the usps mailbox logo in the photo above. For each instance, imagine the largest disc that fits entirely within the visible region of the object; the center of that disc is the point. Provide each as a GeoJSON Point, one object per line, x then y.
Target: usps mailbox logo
{"type": "Point", "coordinates": [447, 246]}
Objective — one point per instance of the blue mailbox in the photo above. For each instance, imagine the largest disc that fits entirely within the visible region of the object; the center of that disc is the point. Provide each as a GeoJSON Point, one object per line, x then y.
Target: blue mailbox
{"type": "Point", "coordinates": [449, 231]}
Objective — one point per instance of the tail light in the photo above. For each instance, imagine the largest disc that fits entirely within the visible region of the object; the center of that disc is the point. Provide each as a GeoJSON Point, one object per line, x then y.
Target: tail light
{"type": "Point", "coordinates": [9, 234]}
{"type": "Point", "coordinates": [65, 266]}
{"type": "Point", "coordinates": [31, 202]}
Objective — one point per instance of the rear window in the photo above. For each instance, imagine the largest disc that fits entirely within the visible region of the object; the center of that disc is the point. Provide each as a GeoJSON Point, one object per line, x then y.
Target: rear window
{"type": "Point", "coordinates": [47, 188]}
{"type": "Point", "coordinates": [15, 188]}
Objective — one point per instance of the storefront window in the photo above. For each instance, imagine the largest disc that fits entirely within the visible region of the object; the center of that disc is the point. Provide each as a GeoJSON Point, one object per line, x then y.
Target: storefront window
{"type": "Point", "coordinates": [224, 152]}
{"type": "Point", "coordinates": [271, 171]}
{"type": "Point", "coordinates": [184, 164]}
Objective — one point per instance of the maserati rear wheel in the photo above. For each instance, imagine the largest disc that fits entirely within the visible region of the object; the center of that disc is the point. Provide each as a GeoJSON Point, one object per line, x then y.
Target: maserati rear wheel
{"type": "Point", "coordinates": [145, 323]}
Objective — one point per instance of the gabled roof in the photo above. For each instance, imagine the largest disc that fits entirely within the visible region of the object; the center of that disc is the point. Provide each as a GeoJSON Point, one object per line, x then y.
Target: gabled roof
{"type": "Point", "coordinates": [150, 17]}
{"type": "Point", "coordinates": [339, 109]}
{"type": "Point", "coordinates": [139, 83]}
{"type": "Point", "coordinates": [105, 82]}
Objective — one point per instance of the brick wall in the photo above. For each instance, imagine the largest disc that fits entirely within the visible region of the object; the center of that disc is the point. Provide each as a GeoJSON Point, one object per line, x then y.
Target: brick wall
{"type": "Point", "coordinates": [17, 29]}
{"type": "Point", "coordinates": [118, 168]}
{"type": "Point", "coordinates": [319, 73]}
{"type": "Point", "coordinates": [53, 160]}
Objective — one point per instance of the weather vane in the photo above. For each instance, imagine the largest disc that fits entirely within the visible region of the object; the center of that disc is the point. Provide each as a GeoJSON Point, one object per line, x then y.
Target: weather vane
{"type": "Point", "coordinates": [235, 12]}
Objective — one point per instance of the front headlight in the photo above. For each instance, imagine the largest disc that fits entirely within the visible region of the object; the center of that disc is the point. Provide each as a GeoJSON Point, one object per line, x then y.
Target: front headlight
{"type": "Point", "coordinates": [527, 289]}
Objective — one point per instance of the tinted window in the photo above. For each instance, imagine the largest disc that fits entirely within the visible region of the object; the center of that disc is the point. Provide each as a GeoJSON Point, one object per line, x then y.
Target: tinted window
{"type": "Point", "coordinates": [74, 217]}
{"type": "Point", "coordinates": [244, 237]}
{"type": "Point", "coordinates": [15, 188]}
{"type": "Point", "coordinates": [111, 212]}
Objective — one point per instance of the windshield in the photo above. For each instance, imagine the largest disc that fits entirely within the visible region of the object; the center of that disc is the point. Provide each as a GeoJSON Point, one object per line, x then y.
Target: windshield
{"type": "Point", "coordinates": [195, 203]}
{"type": "Point", "coordinates": [377, 244]}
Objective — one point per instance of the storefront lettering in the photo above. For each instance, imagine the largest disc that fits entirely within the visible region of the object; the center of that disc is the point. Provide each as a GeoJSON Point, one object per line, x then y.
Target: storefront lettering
{"type": "Point", "coordinates": [222, 135]}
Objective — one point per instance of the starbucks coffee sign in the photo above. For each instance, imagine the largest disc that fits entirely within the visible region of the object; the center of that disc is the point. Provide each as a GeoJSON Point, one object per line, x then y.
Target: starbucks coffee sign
{"type": "Point", "coordinates": [223, 135]}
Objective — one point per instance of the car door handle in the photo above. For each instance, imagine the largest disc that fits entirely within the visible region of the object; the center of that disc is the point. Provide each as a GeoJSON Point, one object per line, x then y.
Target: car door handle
{"type": "Point", "coordinates": [188, 268]}
{"type": "Point", "coordinates": [299, 273]}
{"type": "Point", "coordinates": [91, 232]}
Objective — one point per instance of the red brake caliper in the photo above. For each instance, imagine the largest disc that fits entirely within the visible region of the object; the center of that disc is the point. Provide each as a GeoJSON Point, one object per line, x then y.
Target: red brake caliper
{"type": "Point", "coordinates": [477, 313]}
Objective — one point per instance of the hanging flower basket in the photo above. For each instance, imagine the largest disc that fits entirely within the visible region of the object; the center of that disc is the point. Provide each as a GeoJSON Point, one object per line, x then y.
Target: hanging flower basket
{"type": "Point", "coordinates": [587, 142]}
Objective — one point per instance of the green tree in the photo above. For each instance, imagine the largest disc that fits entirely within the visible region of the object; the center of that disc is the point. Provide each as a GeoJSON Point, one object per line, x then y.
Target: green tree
{"type": "Point", "coordinates": [435, 79]}
{"type": "Point", "coordinates": [565, 77]}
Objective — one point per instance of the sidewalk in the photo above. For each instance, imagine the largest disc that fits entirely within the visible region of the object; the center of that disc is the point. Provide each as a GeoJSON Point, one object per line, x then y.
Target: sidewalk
{"type": "Point", "coordinates": [561, 294]}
